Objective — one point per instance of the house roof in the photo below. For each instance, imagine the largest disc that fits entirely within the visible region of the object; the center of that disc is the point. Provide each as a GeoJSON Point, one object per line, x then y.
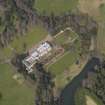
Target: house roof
{"type": "Point", "coordinates": [37, 53]}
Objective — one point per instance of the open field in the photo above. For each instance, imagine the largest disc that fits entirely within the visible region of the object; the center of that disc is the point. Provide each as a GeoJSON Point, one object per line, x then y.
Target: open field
{"type": "Point", "coordinates": [66, 36]}
{"type": "Point", "coordinates": [66, 60]}
{"type": "Point", "coordinates": [56, 6]}
{"type": "Point", "coordinates": [63, 63]}
{"type": "Point", "coordinates": [32, 37]}
{"type": "Point", "coordinates": [13, 93]}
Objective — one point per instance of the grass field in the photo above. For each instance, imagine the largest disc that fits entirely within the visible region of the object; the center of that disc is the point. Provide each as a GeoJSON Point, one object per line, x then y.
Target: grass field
{"type": "Point", "coordinates": [66, 60]}
{"type": "Point", "coordinates": [12, 92]}
{"type": "Point", "coordinates": [32, 37]}
{"type": "Point", "coordinates": [56, 6]}
{"type": "Point", "coordinates": [63, 63]}
{"type": "Point", "coordinates": [65, 36]}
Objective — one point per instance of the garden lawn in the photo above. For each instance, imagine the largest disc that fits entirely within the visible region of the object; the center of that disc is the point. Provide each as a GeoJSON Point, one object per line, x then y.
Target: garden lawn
{"type": "Point", "coordinates": [66, 60]}
{"type": "Point", "coordinates": [12, 92]}
{"type": "Point", "coordinates": [56, 6]}
{"type": "Point", "coordinates": [65, 36]}
{"type": "Point", "coordinates": [32, 37]}
{"type": "Point", "coordinates": [63, 63]}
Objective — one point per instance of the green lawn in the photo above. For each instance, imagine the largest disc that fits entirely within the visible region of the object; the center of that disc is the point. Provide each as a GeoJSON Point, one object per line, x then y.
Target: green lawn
{"type": "Point", "coordinates": [56, 6]}
{"type": "Point", "coordinates": [60, 39]}
{"type": "Point", "coordinates": [12, 92]}
{"type": "Point", "coordinates": [65, 36]}
{"type": "Point", "coordinates": [32, 37]}
{"type": "Point", "coordinates": [63, 63]}
{"type": "Point", "coordinates": [66, 60]}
